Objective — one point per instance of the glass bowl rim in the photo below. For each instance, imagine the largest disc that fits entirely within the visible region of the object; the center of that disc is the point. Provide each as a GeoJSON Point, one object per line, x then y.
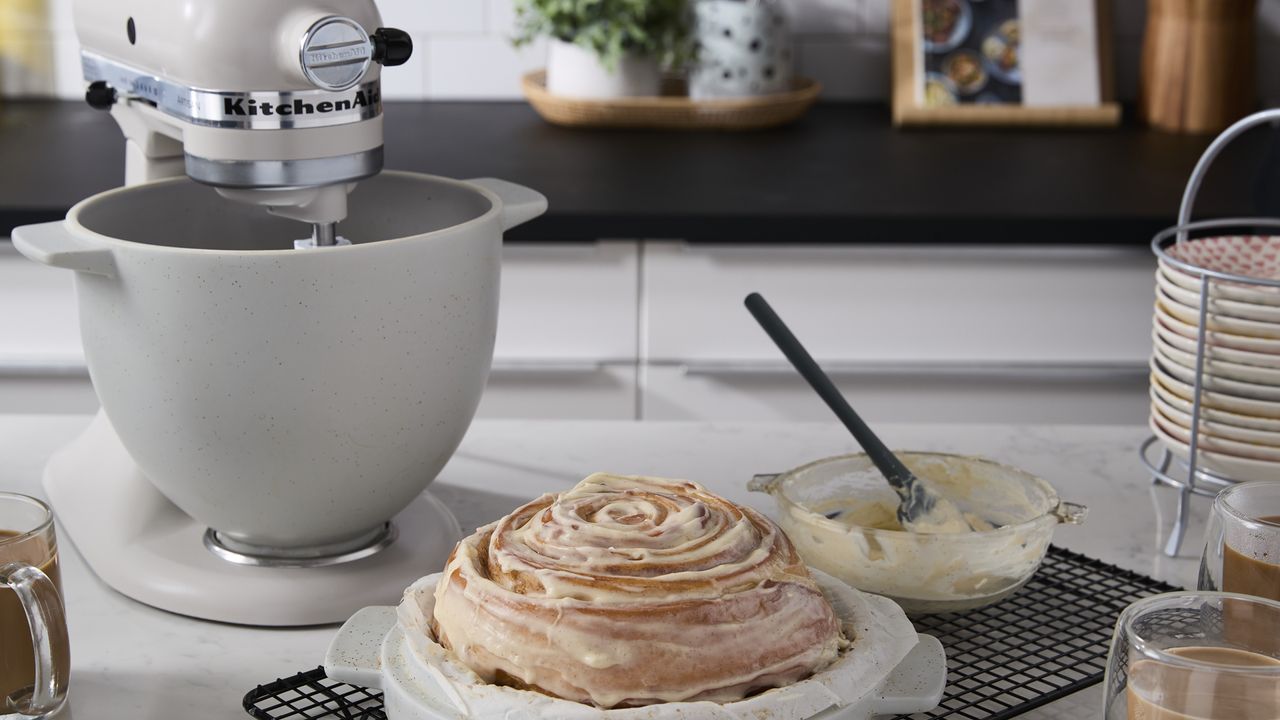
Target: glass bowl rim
{"type": "Point", "coordinates": [1049, 516]}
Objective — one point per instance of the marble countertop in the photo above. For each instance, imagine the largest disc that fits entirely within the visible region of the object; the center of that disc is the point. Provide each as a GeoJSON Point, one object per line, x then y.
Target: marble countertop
{"type": "Point", "coordinates": [132, 661]}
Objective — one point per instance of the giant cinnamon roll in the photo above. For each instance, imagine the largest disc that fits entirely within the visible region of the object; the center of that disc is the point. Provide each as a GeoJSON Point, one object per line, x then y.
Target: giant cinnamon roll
{"type": "Point", "coordinates": [630, 591]}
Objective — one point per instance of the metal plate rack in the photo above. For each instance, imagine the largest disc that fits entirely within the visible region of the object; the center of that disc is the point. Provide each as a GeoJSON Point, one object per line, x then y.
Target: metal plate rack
{"type": "Point", "coordinates": [1187, 476]}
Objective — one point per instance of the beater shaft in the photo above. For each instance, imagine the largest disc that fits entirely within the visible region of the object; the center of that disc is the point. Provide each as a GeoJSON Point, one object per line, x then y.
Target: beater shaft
{"type": "Point", "coordinates": [325, 234]}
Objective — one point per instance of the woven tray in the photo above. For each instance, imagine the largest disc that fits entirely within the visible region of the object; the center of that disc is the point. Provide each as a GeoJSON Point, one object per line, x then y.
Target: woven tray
{"type": "Point", "coordinates": [673, 110]}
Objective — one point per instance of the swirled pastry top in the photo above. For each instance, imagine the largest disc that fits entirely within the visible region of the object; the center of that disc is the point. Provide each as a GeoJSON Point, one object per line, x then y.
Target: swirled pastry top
{"type": "Point", "coordinates": [631, 591]}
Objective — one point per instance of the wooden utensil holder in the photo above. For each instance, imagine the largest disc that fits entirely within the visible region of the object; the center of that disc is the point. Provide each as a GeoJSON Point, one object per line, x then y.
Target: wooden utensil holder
{"type": "Point", "coordinates": [1198, 64]}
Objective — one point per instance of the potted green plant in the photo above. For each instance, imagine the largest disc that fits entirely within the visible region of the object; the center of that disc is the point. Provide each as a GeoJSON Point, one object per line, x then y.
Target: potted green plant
{"type": "Point", "coordinates": [606, 48]}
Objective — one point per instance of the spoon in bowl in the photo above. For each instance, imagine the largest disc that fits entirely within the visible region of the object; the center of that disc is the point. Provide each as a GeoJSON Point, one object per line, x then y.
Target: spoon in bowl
{"type": "Point", "coordinates": [920, 509]}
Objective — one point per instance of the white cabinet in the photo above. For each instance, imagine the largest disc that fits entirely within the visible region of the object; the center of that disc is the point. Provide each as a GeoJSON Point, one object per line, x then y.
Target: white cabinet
{"type": "Point", "coordinates": [911, 333]}
{"type": "Point", "coordinates": [41, 363]}
{"type": "Point", "coordinates": [566, 345]}
{"type": "Point", "coordinates": [656, 330]}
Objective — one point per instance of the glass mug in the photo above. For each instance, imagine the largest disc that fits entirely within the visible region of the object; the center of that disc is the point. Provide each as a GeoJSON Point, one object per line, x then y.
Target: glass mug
{"type": "Point", "coordinates": [34, 652]}
{"type": "Point", "coordinates": [1195, 656]}
{"type": "Point", "coordinates": [1242, 541]}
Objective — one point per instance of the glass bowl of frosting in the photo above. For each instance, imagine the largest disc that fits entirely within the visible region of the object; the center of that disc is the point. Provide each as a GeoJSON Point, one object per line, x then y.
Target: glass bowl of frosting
{"type": "Point", "coordinates": [841, 516]}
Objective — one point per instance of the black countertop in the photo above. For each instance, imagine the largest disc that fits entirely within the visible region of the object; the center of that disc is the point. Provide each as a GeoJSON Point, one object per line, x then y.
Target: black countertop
{"type": "Point", "coordinates": [842, 174]}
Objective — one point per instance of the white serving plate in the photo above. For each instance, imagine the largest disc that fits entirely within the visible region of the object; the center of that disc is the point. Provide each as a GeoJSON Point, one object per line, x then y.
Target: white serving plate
{"type": "Point", "coordinates": [1213, 428]}
{"type": "Point", "coordinates": [1215, 383]}
{"type": "Point", "coordinates": [1209, 413]}
{"type": "Point", "coordinates": [1221, 323]}
{"type": "Point", "coordinates": [1222, 401]}
{"type": "Point", "coordinates": [1220, 352]}
{"type": "Point", "coordinates": [1217, 304]}
{"type": "Point", "coordinates": [1223, 339]}
{"type": "Point", "coordinates": [372, 650]}
{"type": "Point", "coordinates": [1217, 444]}
{"type": "Point", "coordinates": [1215, 367]}
{"type": "Point", "coordinates": [1229, 466]}
{"type": "Point", "coordinates": [1245, 255]}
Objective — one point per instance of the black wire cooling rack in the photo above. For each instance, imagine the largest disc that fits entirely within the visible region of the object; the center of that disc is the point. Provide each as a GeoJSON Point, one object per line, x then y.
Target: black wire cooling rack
{"type": "Point", "coordinates": [1042, 644]}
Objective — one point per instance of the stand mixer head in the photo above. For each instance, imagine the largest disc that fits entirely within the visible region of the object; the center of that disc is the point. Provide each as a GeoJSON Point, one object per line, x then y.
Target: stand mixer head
{"type": "Point", "coordinates": [275, 104]}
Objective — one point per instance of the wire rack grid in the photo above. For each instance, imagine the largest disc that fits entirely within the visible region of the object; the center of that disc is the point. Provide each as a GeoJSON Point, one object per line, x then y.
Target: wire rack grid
{"type": "Point", "coordinates": [1044, 643]}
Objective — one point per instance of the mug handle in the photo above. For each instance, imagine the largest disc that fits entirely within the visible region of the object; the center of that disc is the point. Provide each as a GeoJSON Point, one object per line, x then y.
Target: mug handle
{"type": "Point", "coordinates": [39, 598]}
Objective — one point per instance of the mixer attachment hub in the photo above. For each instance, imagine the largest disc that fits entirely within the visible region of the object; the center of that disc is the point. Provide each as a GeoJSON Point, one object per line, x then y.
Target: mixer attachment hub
{"type": "Point", "coordinates": [242, 553]}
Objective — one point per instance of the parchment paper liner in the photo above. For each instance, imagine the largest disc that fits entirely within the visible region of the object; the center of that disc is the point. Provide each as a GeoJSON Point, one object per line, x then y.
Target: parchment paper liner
{"type": "Point", "coordinates": [880, 634]}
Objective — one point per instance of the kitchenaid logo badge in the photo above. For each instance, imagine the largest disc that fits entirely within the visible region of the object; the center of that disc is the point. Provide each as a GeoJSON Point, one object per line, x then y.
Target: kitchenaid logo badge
{"type": "Point", "coordinates": [248, 107]}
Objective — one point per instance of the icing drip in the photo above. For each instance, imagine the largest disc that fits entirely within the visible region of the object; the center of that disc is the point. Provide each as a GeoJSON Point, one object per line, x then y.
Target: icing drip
{"type": "Point", "coordinates": [631, 591]}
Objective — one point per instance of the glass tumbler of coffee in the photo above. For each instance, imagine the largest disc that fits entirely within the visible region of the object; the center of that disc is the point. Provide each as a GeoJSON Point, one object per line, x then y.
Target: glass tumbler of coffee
{"type": "Point", "coordinates": [1195, 656]}
{"type": "Point", "coordinates": [1242, 542]}
{"type": "Point", "coordinates": [34, 653]}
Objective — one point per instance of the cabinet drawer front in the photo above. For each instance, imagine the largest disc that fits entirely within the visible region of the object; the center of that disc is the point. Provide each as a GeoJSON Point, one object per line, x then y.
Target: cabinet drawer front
{"type": "Point", "coordinates": [38, 394]}
{"type": "Point", "coordinates": [39, 322]}
{"type": "Point", "coordinates": [564, 303]}
{"type": "Point", "coordinates": [562, 391]}
{"type": "Point", "coordinates": [1039, 396]}
{"type": "Point", "coordinates": [909, 304]}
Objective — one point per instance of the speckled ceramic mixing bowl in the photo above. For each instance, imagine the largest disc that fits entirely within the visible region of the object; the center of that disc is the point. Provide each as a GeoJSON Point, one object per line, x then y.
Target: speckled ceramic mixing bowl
{"type": "Point", "coordinates": [835, 511]}
{"type": "Point", "coordinates": [288, 398]}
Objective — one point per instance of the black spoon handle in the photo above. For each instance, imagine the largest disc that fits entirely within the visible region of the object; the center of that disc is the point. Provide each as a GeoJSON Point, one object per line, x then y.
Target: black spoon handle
{"type": "Point", "coordinates": [890, 466]}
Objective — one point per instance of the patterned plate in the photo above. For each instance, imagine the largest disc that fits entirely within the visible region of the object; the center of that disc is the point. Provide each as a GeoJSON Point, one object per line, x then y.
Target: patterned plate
{"type": "Point", "coordinates": [1255, 256]}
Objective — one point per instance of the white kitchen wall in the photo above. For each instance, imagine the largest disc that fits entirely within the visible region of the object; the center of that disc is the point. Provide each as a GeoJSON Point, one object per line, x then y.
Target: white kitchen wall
{"type": "Point", "coordinates": [463, 51]}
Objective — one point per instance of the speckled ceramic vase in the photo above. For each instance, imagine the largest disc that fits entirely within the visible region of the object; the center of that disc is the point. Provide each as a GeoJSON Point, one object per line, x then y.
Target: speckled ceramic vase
{"type": "Point", "coordinates": [288, 398]}
{"type": "Point", "coordinates": [744, 49]}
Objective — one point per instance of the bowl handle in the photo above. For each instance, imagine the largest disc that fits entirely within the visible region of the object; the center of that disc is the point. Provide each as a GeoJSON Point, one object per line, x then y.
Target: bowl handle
{"type": "Point", "coordinates": [917, 683]}
{"type": "Point", "coordinates": [55, 245]}
{"type": "Point", "coordinates": [1069, 513]}
{"type": "Point", "coordinates": [519, 203]}
{"type": "Point", "coordinates": [764, 483]}
{"type": "Point", "coordinates": [355, 653]}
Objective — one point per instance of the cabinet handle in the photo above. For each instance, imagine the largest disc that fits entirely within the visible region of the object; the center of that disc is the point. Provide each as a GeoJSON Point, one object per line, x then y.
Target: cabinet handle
{"type": "Point", "coordinates": [43, 369]}
{"type": "Point", "coordinates": [72, 369]}
{"type": "Point", "coordinates": [543, 368]}
{"type": "Point", "coordinates": [768, 253]}
{"type": "Point", "coordinates": [1041, 371]}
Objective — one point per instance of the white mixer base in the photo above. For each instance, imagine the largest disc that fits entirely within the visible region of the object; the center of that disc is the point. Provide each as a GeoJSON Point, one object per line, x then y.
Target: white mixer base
{"type": "Point", "coordinates": [145, 547]}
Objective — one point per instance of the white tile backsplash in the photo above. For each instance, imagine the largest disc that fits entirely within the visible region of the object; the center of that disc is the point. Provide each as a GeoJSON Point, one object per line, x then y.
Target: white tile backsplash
{"type": "Point", "coordinates": [825, 16]}
{"type": "Point", "coordinates": [479, 68]}
{"type": "Point", "coordinates": [875, 15]}
{"type": "Point", "coordinates": [501, 17]}
{"type": "Point", "coordinates": [463, 50]}
{"type": "Point", "coordinates": [407, 81]}
{"type": "Point", "coordinates": [435, 17]}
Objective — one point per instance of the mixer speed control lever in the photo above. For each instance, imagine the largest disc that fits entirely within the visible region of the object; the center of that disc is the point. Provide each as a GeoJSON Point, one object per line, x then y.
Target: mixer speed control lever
{"type": "Point", "coordinates": [100, 95]}
{"type": "Point", "coordinates": [391, 46]}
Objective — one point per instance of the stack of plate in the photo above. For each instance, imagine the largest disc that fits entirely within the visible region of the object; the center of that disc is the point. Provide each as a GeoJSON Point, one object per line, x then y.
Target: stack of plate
{"type": "Point", "coordinates": [1240, 382]}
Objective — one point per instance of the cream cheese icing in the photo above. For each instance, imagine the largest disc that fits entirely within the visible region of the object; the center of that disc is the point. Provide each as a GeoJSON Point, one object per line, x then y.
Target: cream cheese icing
{"type": "Point", "coordinates": [629, 591]}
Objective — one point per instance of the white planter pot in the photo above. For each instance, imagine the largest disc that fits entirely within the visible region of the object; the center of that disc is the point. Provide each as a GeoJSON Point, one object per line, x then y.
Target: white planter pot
{"type": "Point", "coordinates": [574, 71]}
{"type": "Point", "coordinates": [288, 398]}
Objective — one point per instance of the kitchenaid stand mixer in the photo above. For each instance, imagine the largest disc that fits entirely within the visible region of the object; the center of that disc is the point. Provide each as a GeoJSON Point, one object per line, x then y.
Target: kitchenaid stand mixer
{"type": "Point", "coordinates": [276, 106]}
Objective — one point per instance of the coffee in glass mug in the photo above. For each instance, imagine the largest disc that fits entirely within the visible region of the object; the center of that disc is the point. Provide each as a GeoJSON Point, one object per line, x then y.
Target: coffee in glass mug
{"type": "Point", "coordinates": [34, 666]}
{"type": "Point", "coordinates": [1195, 656]}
